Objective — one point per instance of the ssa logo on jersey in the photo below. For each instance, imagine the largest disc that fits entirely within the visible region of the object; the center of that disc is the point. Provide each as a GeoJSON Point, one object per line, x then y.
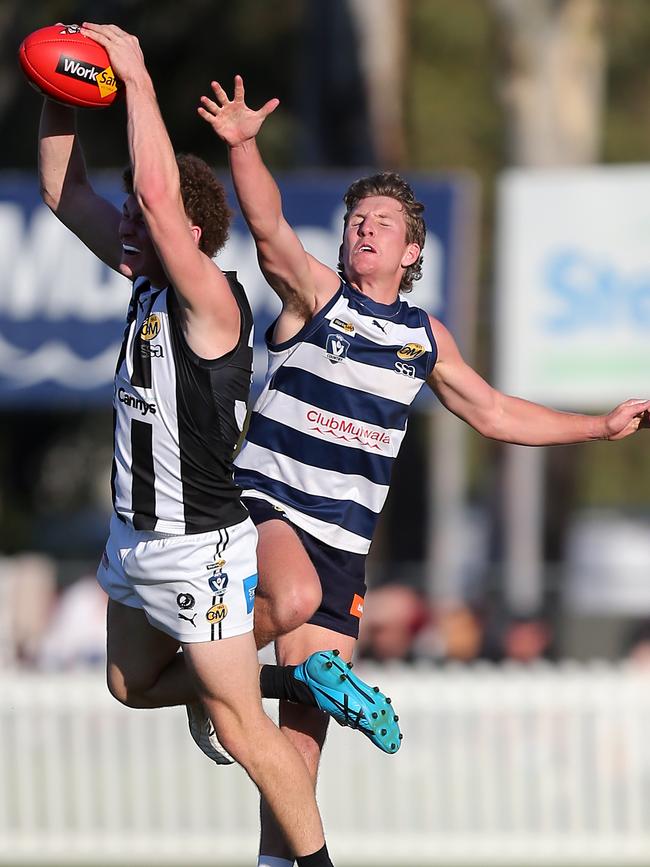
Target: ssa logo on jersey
{"type": "Point", "coordinates": [410, 351]}
{"type": "Point", "coordinates": [151, 327]}
{"type": "Point", "coordinates": [151, 350]}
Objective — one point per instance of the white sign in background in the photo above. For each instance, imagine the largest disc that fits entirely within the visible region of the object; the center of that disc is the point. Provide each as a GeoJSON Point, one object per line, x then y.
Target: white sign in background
{"type": "Point", "coordinates": [573, 286]}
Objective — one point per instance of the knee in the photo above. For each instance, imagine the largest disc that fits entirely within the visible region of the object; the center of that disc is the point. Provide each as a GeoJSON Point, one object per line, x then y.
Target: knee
{"type": "Point", "coordinates": [297, 604]}
{"type": "Point", "coordinates": [126, 689]}
{"type": "Point", "coordinates": [235, 733]}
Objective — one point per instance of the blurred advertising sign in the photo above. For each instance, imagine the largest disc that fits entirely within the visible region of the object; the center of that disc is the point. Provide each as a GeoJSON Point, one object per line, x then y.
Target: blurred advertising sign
{"type": "Point", "coordinates": [573, 285]}
{"type": "Point", "coordinates": [62, 311]}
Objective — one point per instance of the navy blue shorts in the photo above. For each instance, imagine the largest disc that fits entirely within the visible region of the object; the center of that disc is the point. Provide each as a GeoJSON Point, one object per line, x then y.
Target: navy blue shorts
{"type": "Point", "coordinates": [342, 574]}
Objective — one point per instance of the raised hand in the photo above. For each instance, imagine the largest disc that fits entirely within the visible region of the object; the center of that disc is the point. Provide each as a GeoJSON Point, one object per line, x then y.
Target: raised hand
{"type": "Point", "coordinates": [232, 120]}
{"type": "Point", "coordinates": [124, 52]}
{"type": "Point", "coordinates": [627, 418]}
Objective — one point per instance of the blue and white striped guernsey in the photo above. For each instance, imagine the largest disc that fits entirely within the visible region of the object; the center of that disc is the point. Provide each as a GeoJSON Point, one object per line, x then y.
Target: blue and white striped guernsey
{"type": "Point", "coordinates": [331, 418]}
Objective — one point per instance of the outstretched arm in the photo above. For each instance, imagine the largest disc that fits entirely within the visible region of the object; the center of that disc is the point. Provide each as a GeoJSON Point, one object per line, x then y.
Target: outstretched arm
{"type": "Point", "coordinates": [211, 312]}
{"type": "Point", "coordinates": [65, 188]}
{"type": "Point", "coordinates": [301, 281]}
{"type": "Point", "coordinates": [514, 420]}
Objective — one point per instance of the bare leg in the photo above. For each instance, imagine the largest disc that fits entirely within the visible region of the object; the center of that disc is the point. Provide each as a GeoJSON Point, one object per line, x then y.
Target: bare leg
{"type": "Point", "coordinates": [289, 589]}
{"type": "Point", "coordinates": [144, 668]}
{"type": "Point", "coordinates": [226, 675]}
{"type": "Point", "coordinates": [304, 726]}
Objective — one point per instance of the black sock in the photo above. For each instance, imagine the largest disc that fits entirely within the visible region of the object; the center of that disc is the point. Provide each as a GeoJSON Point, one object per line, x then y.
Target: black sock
{"type": "Point", "coordinates": [317, 859]}
{"type": "Point", "coordinates": [277, 681]}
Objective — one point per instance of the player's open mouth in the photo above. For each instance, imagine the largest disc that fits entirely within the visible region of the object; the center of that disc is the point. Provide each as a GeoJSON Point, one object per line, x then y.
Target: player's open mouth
{"type": "Point", "coordinates": [365, 248]}
{"type": "Point", "coordinates": [128, 250]}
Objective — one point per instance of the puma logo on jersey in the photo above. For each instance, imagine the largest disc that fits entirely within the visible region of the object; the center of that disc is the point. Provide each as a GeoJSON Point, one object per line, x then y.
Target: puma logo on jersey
{"type": "Point", "coordinates": [134, 402]}
{"type": "Point", "coordinates": [189, 619]}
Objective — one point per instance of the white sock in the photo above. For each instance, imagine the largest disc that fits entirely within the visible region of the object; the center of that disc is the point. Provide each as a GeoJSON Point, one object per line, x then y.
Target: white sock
{"type": "Point", "coordinates": [271, 861]}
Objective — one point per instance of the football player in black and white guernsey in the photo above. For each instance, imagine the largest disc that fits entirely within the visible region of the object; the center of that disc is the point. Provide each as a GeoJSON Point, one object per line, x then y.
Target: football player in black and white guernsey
{"type": "Point", "coordinates": [179, 565]}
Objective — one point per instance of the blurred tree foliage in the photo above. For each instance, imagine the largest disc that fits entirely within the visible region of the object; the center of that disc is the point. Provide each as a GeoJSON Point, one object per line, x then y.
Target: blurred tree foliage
{"type": "Point", "coordinates": [303, 52]}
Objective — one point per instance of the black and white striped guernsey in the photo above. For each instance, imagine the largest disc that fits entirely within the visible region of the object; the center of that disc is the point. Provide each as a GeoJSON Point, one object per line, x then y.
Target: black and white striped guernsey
{"type": "Point", "coordinates": [177, 419]}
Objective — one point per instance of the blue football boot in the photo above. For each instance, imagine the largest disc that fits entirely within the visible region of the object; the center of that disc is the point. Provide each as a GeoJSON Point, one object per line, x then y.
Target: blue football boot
{"type": "Point", "coordinates": [349, 700]}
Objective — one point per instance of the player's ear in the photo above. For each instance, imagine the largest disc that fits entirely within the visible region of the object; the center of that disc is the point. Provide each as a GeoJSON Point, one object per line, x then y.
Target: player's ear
{"type": "Point", "coordinates": [411, 255]}
{"type": "Point", "coordinates": [196, 234]}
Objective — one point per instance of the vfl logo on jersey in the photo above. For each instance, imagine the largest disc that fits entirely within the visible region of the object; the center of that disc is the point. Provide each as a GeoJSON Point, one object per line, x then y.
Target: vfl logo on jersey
{"type": "Point", "coordinates": [151, 350]}
{"type": "Point", "coordinates": [217, 613]}
{"type": "Point", "coordinates": [337, 348]}
{"type": "Point", "coordinates": [411, 351]}
{"type": "Point", "coordinates": [250, 584]}
{"type": "Point", "coordinates": [406, 369]}
{"type": "Point", "coordinates": [342, 325]}
{"type": "Point", "coordinates": [151, 327]}
{"type": "Point", "coordinates": [135, 402]}
{"type": "Point", "coordinates": [218, 582]}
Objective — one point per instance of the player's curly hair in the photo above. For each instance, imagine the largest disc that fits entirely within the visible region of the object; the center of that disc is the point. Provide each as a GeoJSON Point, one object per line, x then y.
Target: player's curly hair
{"type": "Point", "coordinates": [204, 200]}
{"type": "Point", "coordinates": [395, 187]}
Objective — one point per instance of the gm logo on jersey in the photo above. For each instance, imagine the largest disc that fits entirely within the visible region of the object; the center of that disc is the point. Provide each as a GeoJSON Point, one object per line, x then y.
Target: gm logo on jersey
{"type": "Point", "coordinates": [217, 613]}
{"type": "Point", "coordinates": [250, 584]}
{"type": "Point", "coordinates": [150, 327]}
{"type": "Point", "coordinates": [337, 348]}
{"type": "Point", "coordinates": [410, 351]}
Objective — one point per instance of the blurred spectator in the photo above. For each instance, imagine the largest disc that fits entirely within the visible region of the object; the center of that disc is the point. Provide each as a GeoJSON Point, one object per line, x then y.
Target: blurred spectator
{"type": "Point", "coordinates": [460, 633]}
{"type": "Point", "coordinates": [636, 647]}
{"type": "Point", "coordinates": [76, 634]}
{"type": "Point", "coordinates": [527, 640]}
{"type": "Point", "coordinates": [393, 616]}
{"type": "Point", "coordinates": [27, 595]}
{"type": "Point", "coordinates": [519, 639]}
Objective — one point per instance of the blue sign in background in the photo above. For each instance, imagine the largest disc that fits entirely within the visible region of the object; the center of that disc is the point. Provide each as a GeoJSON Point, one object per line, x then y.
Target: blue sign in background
{"type": "Point", "coordinates": [62, 311]}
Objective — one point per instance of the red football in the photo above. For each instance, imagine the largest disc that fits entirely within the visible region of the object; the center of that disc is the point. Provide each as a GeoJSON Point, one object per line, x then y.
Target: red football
{"type": "Point", "coordinates": [68, 67]}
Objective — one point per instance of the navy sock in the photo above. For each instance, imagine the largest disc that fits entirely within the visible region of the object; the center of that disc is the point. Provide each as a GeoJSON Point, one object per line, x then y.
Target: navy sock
{"type": "Point", "coordinates": [317, 859]}
{"type": "Point", "coordinates": [277, 681]}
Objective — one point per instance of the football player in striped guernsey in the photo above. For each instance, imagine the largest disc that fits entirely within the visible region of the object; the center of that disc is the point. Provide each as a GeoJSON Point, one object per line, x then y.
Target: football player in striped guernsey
{"type": "Point", "coordinates": [179, 566]}
{"type": "Point", "coordinates": [347, 356]}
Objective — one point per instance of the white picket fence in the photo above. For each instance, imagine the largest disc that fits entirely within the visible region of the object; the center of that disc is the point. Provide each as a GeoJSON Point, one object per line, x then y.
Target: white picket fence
{"type": "Point", "coordinates": [499, 766]}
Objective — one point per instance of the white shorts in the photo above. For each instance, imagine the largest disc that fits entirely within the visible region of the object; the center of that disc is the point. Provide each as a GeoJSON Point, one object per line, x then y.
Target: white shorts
{"type": "Point", "coordinates": [199, 587]}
